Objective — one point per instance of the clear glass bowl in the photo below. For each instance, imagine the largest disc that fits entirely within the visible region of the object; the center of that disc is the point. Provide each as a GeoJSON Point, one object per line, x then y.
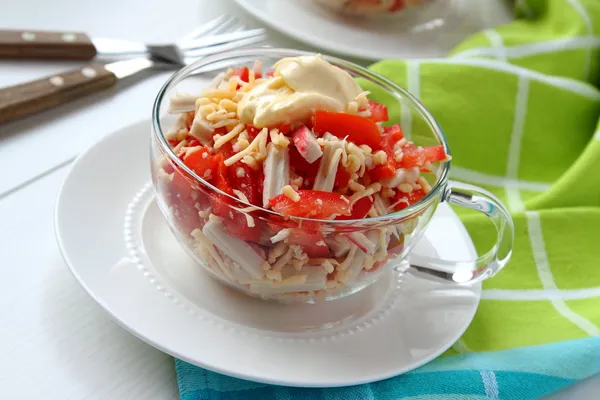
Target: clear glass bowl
{"type": "Point", "coordinates": [372, 8]}
{"type": "Point", "coordinates": [322, 259]}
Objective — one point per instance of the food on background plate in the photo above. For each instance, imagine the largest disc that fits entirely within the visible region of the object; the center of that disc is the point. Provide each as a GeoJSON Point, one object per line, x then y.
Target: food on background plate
{"type": "Point", "coordinates": [371, 7]}
{"type": "Point", "coordinates": [301, 140]}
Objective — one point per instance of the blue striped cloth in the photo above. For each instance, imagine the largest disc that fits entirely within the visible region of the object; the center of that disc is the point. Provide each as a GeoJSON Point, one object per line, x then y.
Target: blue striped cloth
{"type": "Point", "coordinates": [519, 374]}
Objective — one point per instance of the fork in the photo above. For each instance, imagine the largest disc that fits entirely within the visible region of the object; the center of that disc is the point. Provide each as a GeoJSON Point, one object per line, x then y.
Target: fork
{"type": "Point", "coordinates": [79, 46]}
{"type": "Point", "coordinates": [32, 97]}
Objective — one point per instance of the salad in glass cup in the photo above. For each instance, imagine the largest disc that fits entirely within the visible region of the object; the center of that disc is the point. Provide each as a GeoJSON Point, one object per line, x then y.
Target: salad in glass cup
{"type": "Point", "coordinates": [372, 8]}
{"type": "Point", "coordinates": [283, 179]}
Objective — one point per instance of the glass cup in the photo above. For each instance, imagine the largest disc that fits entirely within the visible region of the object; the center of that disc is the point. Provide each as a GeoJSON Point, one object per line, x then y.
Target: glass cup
{"type": "Point", "coordinates": [311, 259]}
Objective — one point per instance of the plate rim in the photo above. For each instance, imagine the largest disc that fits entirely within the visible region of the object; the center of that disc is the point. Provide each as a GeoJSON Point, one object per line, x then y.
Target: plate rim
{"type": "Point", "coordinates": [344, 50]}
{"type": "Point", "coordinates": [174, 353]}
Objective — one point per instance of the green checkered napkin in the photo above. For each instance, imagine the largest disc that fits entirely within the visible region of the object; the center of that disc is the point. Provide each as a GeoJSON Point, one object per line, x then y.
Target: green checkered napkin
{"type": "Point", "coordinates": [520, 110]}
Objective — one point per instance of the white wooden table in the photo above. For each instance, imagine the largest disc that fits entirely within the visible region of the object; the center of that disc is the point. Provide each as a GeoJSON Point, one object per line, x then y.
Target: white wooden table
{"type": "Point", "coordinates": [55, 342]}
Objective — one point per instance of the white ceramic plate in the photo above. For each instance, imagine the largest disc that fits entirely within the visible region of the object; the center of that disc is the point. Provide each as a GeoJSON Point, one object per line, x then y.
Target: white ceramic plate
{"type": "Point", "coordinates": [430, 33]}
{"type": "Point", "coordinates": [122, 252]}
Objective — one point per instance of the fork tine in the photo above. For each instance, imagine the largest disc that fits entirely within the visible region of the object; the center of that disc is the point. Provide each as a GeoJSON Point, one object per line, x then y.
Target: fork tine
{"type": "Point", "coordinates": [195, 54]}
{"type": "Point", "coordinates": [208, 28]}
{"type": "Point", "coordinates": [222, 38]}
{"type": "Point", "coordinates": [227, 26]}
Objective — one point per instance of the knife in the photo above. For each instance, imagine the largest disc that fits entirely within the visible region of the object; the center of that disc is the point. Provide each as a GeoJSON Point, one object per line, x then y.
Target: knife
{"type": "Point", "coordinates": [32, 97]}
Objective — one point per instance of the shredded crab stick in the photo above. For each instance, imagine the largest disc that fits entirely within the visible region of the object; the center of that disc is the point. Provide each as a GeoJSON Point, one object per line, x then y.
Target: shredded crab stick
{"type": "Point", "coordinates": [277, 172]}
{"type": "Point", "coordinates": [304, 141]}
{"type": "Point", "coordinates": [246, 257]}
{"type": "Point", "coordinates": [307, 144]}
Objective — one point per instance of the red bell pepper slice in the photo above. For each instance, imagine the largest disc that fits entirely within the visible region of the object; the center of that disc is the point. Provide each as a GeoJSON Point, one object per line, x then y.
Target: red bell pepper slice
{"type": "Point", "coordinates": [301, 167]}
{"type": "Point", "coordinates": [398, 5]}
{"type": "Point", "coordinates": [379, 112]}
{"type": "Point", "coordinates": [411, 198]}
{"type": "Point", "coordinates": [360, 209]}
{"type": "Point", "coordinates": [420, 156]}
{"type": "Point", "coordinates": [342, 177]}
{"type": "Point", "coordinates": [359, 130]}
{"type": "Point", "coordinates": [243, 73]}
{"type": "Point", "coordinates": [201, 161]}
{"type": "Point", "coordinates": [312, 204]}
{"type": "Point", "coordinates": [310, 239]}
{"type": "Point", "coordinates": [248, 183]}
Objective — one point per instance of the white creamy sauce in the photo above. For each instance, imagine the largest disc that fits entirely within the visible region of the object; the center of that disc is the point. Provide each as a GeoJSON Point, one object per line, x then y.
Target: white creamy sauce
{"type": "Point", "coordinates": [300, 86]}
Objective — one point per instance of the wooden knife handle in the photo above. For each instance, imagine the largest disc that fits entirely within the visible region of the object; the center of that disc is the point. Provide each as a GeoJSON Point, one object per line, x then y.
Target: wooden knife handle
{"type": "Point", "coordinates": [46, 45]}
{"type": "Point", "coordinates": [32, 97]}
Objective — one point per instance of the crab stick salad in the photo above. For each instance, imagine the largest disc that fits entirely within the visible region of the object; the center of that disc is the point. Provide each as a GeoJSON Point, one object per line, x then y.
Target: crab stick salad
{"type": "Point", "coordinates": [301, 140]}
{"type": "Point", "coordinates": [371, 7]}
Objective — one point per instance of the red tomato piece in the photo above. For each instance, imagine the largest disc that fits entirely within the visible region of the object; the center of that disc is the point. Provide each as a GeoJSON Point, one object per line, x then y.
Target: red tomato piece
{"type": "Point", "coordinates": [234, 221]}
{"type": "Point", "coordinates": [193, 142]}
{"type": "Point", "coordinates": [312, 204]}
{"type": "Point", "coordinates": [411, 198]}
{"type": "Point", "coordinates": [247, 183]}
{"type": "Point", "coordinates": [243, 73]}
{"type": "Point", "coordinates": [383, 171]}
{"type": "Point", "coordinates": [342, 177]}
{"type": "Point", "coordinates": [186, 216]}
{"type": "Point", "coordinates": [252, 132]}
{"type": "Point", "coordinates": [379, 112]}
{"type": "Point", "coordinates": [359, 130]}
{"type": "Point", "coordinates": [181, 185]}
{"type": "Point", "coordinates": [311, 242]}
{"type": "Point", "coordinates": [168, 167]}
{"type": "Point", "coordinates": [219, 175]}
{"type": "Point", "coordinates": [200, 162]}
{"type": "Point", "coordinates": [393, 134]}
{"type": "Point", "coordinates": [360, 209]}
{"type": "Point", "coordinates": [270, 74]}
{"type": "Point", "coordinates": [301, 166]}
{"type": "Point", "coordinates": [221, 130]}
{"type": "Point", "coordinates": [398, 5]}
{"type": "Point", "coordinates": [285, 128]}
{"type": "Point", "coordinates": [310, 238]}
{"type": "Point", "coordinates": [420, 156]}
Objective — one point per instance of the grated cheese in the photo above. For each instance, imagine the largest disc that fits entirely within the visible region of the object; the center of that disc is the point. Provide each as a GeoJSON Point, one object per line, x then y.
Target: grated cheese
{"type": "Point", "coordinates": [278, 138]}
{"type": "Point", "coordinates": [405, 187]}
{"type": "Point", "coordinates": [251, 162]}
{"type": "Point", "coordinates": [249, 218]}
{"type": "Point", "coordinates": [218, 94]}
{"type": "Point", "coordinates": [254, 145]}
{"type": "Point", "coordinates": [191, 150]}
{"type": "Point", "coordinates": [328, 266]}
{"type": "Point", "coordinates": [424, 184]}
{"type": "Point", "coordinates": [274, 275]}
{"type": "Point", "coordinates": [380, 157]}
{"type": "Point", "coordinates": [291, 194]}
{"type": "Point", "coordinates": [283, 260]}
{"type": "Point", "coordinates": [281, 235]}
{"type": "Point", "coordinates": [229, 136]}
{"type": "Point", "coordinates": [240, 173]}
{"type": "Point", "coordinates": [277, 251]}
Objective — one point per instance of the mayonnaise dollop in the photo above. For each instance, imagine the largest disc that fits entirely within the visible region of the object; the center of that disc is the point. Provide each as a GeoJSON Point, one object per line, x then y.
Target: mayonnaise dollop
{"type": "Point", "coordinates": [300, 86]}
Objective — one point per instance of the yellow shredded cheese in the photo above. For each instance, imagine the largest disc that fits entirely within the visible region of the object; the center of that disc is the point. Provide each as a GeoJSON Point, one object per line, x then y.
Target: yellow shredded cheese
{"type": "Point", "coordinates": [229, 136]}
{"type": "Point", "coordinates": [424, 184]}
{"type": "Point", "coordinates": [290, 193]}
{"type": "Point", "coordinates": [260, 138]}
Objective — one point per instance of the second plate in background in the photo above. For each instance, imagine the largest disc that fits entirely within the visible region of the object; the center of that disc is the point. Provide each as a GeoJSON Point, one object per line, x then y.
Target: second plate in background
{"type": "Point", "coordinates": [430, 33]}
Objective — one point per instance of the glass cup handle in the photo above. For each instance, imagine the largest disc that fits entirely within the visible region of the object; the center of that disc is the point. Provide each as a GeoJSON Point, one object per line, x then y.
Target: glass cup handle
{"type": "Point", "coordinates": [485, 266]}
